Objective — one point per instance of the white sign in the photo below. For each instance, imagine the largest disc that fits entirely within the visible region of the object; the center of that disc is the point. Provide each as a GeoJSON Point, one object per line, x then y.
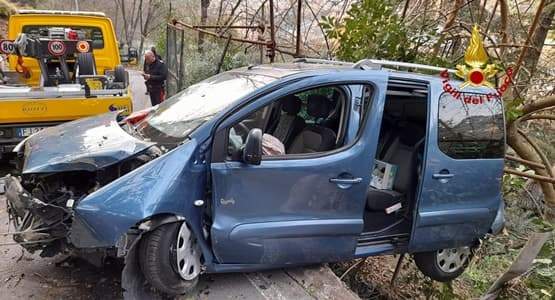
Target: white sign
{"type": "Point", "coordinates": [56, 47]}
{"type": "Point", "coordinates": [7, 47]}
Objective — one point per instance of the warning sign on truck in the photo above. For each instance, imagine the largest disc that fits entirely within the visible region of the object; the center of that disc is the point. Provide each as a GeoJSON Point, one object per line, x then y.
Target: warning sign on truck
{"type": "Point", "coordinates": [56, 47]}
{"type": "Point", "coordinates": [7, 47]}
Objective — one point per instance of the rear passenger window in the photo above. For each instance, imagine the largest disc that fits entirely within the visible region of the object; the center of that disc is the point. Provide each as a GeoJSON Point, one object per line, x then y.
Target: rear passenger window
{"type": "Point", "coordinates": [471, 126]}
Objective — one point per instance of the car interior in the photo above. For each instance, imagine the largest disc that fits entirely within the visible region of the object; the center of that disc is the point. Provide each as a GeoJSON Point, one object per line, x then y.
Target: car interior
{"type": "Point", "coordinates": [306, 122]}
{"type": "Point", "coordinates": [388, 213]}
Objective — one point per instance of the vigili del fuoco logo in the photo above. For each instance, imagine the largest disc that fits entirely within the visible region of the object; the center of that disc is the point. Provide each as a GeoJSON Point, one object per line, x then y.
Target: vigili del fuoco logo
{"type": "Point", "coordinates": [476, 72]}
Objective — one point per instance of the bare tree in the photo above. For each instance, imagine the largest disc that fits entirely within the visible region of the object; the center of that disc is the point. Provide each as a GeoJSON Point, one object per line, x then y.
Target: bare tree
{"type": "Point", "coordinates": [204, 5]}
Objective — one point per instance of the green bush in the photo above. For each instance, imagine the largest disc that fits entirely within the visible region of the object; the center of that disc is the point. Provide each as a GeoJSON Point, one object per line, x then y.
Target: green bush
{"type": "Point", "coordinates": [370, 30]}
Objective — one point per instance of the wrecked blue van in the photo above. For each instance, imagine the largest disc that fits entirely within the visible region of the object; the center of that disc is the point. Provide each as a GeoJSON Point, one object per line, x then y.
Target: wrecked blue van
{"type": "Point", "coordinates": [266, 167]}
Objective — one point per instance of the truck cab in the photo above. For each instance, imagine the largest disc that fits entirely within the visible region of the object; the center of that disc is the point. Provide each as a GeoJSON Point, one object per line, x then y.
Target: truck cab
{"type": "Point", "coordinates": [62, 66]}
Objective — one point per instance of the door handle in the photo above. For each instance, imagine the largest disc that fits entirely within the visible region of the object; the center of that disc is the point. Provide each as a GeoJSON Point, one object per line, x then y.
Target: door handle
{"type": "Point", "coordinates": [346, 180]}
{"type": "Point", "coordinates": [442, 176]}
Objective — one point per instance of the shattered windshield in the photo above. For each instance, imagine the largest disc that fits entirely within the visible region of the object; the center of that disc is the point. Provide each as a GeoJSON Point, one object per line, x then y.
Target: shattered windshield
{"type": "Point", "coordinates": [176, 117]}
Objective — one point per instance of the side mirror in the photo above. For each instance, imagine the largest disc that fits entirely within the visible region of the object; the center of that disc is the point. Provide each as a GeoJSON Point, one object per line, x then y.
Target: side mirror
{"type": "Point", "coordinates": [252, 153]}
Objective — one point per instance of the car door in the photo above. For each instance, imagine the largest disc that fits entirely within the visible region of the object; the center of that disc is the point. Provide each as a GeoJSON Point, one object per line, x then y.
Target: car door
{"type": "Point", "coordinates": [461, 186]}
{"type": "Point", "coordinates": [300, 209]}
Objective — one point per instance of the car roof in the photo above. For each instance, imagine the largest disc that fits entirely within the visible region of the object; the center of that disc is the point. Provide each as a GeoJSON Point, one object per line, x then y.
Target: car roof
{"type": "Point", "coordinates": [280, 70]}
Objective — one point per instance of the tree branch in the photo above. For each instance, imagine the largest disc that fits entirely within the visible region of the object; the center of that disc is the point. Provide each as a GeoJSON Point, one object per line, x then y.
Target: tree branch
{"type": "Point", "coordinates": [540, 104]}
{"type": "Point", "coordinates": [533, 176]}
{"type": "Point", "coordinates": [542, 155]}
{"type": "Point", "coordinates": [525, 161]}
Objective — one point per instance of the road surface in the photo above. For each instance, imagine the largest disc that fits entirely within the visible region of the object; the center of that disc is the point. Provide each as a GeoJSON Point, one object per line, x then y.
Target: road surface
{"type": "Point", "coordinates": [28, 276]}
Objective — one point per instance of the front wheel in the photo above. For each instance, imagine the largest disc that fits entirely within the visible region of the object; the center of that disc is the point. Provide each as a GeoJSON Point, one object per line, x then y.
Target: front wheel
{"type": "Point", "coordinates": [445, 264]}
{"type": "Point", "coordinates": [170, 258]}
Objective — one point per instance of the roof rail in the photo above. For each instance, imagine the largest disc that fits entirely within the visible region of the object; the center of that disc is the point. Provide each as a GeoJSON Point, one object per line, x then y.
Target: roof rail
{"type": "Point", "coordinates": [379, 64]}
{"type": "Point", "coordinates": [321, 61]}
{"type": "Point", "coordinates": [60, 12]}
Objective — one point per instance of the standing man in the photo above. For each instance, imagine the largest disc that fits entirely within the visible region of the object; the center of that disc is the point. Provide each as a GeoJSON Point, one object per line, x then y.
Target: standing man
{"type": "Point", "coordinates": [155, 75]}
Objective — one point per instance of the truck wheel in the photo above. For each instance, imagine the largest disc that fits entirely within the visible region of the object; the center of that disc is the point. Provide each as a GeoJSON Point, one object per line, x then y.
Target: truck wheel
{"type": "Point", "coordinates": [170, 258]}
{"type": "Point", "coordinates": [120, 75]}
{"type": "Point", "coordinates": [445, 264]}
{"type": "Point", "coordinates": [85, 63]}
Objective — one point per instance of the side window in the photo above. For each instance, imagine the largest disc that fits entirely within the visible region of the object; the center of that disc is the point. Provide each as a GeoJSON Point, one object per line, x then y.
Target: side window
{"type": "Point", "coordinates": [311, 121]}
{"type": "Point", "coordinates": [471, 127]}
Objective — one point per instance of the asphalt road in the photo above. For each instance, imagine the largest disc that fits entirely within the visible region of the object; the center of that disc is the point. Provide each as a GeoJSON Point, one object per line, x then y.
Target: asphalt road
{"type": "Point", "coordinates": [140, 99]}
{"type": "Point", "coordinates": [28, 276]}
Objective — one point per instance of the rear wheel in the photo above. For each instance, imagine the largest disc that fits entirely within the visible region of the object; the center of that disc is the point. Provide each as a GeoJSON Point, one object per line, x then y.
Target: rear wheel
{"type": "Point", "coordinates": [445, 264]}
{"type": "Point", "coordinates": [170, 258]}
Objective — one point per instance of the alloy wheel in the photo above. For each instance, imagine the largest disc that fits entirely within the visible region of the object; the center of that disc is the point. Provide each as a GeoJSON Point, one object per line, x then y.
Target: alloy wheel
{"type": "Point", "coordinates": [451, 260]}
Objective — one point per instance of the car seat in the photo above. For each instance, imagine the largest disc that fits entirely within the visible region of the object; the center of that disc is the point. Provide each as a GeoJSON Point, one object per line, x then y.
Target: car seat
{"type": "Point", "coordinates": [289, 124]}
{"type": "Point", "coordinates": [403, 153]}
{"type": "Point", "coordinates": [315, 137]}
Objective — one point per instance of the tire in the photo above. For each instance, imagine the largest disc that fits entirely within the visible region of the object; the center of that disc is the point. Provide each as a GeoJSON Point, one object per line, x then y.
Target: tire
{"type": "Point", "coordinates": [158, 259]}
{"type": "Point", "coordinates": [445, 264]}
{"type": "Point", "coordinates": [120, 75]}
{"type": "Point", "coordinates": [85, 63]}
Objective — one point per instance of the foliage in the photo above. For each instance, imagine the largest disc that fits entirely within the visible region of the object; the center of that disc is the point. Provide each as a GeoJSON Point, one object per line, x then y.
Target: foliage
{"type": "Point", "coordinates": [513, 109]}
{"type": "Point", "coordinates": [370, 30]}
{"type": "Point", "coordinates": [199, 66]}
{"type": "Point", "coordinates": [6, 8]}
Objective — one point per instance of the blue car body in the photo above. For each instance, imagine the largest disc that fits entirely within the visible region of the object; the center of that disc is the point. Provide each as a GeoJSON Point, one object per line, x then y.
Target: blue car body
{"type": "Point", "coordinates": [283, 211]}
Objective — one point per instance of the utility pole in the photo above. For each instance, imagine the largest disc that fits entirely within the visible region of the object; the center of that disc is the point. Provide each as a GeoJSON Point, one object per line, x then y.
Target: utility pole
{"type": "Point", "coordinates": [76, 5]}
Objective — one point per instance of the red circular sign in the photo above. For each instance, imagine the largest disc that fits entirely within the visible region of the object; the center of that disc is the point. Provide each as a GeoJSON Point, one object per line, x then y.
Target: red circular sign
{"type": "Point", "coordinates": [7, 47]}
{"type": "Point", "coordinates": [82, 46]}
{"type": "Point", "coordinates": [56, 47]}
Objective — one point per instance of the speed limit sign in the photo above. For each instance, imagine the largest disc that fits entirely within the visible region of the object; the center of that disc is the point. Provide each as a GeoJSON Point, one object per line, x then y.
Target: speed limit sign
{"type": "Point", "coordinates": [56, 47]}
{"type": "Point", "coordinates": [7, 47]}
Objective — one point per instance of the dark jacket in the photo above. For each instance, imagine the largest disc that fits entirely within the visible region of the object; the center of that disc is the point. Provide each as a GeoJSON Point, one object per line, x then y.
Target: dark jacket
{"type": "Point", "coordinates": [158, 72]}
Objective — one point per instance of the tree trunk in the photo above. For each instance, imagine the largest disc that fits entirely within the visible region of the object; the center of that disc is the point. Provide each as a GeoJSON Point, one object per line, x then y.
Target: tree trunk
{"type": "Point", "coordinates": [503, 12]}
{"type": "Point", "coordinates": [448, 24]}
{"type": "Point", "coordinates": [204, 4]}
{"type": "Point", "coordinates": [532, 55]}
{"type": "Point", "coordinates": [526, 151]}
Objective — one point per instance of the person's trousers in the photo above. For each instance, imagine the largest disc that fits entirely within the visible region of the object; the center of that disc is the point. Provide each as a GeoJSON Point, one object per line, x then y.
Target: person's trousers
{"type": "Point", "coordinates": [157, 95]}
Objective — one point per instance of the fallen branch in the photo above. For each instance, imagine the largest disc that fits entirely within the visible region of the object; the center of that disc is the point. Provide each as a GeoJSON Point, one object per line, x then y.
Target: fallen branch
{"type": "Point", "coordinates": [532, 176]}
{"type": "Point", "coordinates": [175, 22]}
{"type": "Point", "coordinates": [525, 161]}
{"type": "Point", "coordinates": [520, 265]}
{"type": "Point", "coordinates": [351, 268]}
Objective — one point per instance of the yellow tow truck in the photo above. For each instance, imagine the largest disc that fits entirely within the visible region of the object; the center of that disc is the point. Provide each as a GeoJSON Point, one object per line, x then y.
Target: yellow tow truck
{"type": "Point", "coordinates": [62, 66]}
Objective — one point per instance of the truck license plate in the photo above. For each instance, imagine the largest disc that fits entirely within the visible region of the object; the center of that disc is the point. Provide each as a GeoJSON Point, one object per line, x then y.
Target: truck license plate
{"type": "Point", "coordinates": [27, 131]}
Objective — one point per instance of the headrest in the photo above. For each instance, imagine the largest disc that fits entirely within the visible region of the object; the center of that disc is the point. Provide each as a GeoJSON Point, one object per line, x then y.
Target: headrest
{"type": "Point", "coordinates": [318, 106]}
{"type": "Point", "coordinates": [410, 133]}
{"type": "Point", "coordinates": [291, 104]}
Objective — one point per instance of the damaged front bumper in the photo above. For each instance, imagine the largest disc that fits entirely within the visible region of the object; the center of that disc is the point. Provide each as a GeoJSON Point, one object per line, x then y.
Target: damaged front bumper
{"type": "Point", "coordinates": [38, 225]}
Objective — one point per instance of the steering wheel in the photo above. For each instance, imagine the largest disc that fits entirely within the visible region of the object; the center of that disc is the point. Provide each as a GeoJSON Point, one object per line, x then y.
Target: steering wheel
{"type": "Point", "coordinates": [242, 130]}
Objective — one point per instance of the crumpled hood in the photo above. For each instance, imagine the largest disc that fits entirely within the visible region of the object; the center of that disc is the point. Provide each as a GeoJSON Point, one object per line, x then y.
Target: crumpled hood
{"type": "Point", "coordinates": [83, 145]}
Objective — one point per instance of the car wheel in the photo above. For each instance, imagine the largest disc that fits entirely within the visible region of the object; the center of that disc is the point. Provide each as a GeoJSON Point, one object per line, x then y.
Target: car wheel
{"type": "Point", "coordinates": [445, 264]}
{"type": "Point", "coordinates": [170, 258]}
